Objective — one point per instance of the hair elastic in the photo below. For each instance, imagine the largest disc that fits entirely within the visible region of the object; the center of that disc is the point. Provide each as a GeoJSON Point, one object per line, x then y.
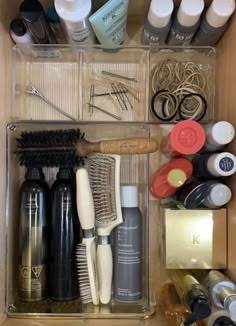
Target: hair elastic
{"type": "Point", "coordinates": [194, 115]}
{"type": "Point", "coordinates": [168, 107]}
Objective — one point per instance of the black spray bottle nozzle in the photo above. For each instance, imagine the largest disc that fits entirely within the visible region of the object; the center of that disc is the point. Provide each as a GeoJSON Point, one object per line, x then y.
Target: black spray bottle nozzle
{"type": "Point", "coordinates": [201, 309]}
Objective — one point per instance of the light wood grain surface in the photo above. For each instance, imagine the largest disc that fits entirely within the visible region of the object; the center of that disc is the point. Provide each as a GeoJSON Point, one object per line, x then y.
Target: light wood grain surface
{"type": "Point", "coordinates": [226, 106]}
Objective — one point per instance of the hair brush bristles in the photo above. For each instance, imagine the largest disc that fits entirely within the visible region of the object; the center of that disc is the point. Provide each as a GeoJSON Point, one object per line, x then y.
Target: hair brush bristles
{"type": "Point", "coordinates": [61, 158]}
{"type": "Point", "coordinates": [47, 138]}
{"type": "Point", "coordinates": [52, 148]}
{"type": "Point", "coordinates": [83, 274]}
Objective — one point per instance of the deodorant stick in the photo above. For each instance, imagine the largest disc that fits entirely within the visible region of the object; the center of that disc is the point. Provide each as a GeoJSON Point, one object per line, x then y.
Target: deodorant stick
{"type": "Point", "coordinates": [158, 22]}
{"type": "Point", "coordinates": [214, 22]}
{"type": "Point", "coordinates": [186, 22]}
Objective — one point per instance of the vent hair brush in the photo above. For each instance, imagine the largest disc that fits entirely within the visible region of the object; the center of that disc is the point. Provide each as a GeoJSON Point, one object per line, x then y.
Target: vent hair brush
{"type": "Point", "coordinates": [68, 147]}
{"type": "Point", "coordinates": [104, 176]}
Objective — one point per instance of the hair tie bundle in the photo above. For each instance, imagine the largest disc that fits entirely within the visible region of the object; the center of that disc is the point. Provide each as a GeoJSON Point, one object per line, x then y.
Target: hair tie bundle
{"type": "Point", "coordinates": [179, 91]}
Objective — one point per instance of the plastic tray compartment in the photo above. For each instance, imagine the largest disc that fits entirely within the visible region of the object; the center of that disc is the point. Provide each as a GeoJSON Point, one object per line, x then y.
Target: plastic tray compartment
{"type": "Point", "coordinates": [102, 74]}
{"type": "Point", "coordinates": [134, 170]}
{"type": "Point", "coordinates": [185, 69]}
{"type": "Point", "coordinates": [55, 72]}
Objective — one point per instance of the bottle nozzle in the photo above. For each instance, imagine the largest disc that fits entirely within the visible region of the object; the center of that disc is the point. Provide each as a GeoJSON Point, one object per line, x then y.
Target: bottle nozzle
{"type": "Point", "coordinates": [201, 309]}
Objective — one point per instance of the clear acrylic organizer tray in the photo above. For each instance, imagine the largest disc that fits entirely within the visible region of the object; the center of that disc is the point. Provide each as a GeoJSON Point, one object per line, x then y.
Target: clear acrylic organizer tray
{"type": "Point", "coordinates": [74, 79]}
{"type": "Point", "coordinates": [134, 171]}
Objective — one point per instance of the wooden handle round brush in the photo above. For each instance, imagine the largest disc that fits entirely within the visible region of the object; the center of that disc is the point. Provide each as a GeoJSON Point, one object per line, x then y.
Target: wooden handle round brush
{"type": "Point", "coordinates": [118, 146]}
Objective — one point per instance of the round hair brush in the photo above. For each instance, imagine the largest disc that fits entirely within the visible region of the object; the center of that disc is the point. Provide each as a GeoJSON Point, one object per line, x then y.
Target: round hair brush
{"type": "Point", "coordinates": [68, 147]}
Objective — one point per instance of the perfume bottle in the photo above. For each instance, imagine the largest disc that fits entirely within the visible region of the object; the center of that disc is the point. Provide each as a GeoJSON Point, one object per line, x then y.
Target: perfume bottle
{"type": "Point", "coordinates": [192, 294]}
{"type": "Point", "coordinates": [175, 312]}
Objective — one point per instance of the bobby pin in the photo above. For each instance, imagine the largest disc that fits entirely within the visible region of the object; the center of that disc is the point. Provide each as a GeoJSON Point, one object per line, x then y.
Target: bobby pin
{"type": "Point", "coordinates": [106, 112]}
{"type": "Point", "coordinates": [119, 98]}
{"type": "Point", "coordinates": [118, 76]}
{"type": "Point", "coordinates": [111, 93]}
{"type": "Point", "coordinates": [91, 99]}
{"type": "Point", "coordinates": [121, 87]}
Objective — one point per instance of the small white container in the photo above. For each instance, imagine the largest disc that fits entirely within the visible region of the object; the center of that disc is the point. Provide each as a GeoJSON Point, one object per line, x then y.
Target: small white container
{"type": "Point", "coordinates": [219, 195]}
{"type": "Point", "coordinates": [218, 135]}
{"type": "Point", "coordinates": [222, 164]}
{"type": "Point", "coordinates": [19, 32]}
{"type": "Point", "coordinates": [74, 16]}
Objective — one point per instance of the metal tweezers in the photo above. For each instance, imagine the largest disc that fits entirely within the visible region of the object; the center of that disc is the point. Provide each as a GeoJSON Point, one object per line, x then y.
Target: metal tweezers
{"type": "Point", "coordinates": [34, 91]}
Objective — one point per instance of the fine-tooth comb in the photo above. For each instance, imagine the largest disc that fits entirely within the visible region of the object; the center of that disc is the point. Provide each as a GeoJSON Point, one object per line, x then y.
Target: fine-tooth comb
{"type": "Point", "coordinates": [104, 176]}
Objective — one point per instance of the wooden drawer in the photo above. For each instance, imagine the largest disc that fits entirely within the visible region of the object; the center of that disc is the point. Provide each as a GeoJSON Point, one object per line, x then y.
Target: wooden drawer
{"type": "Point", "coordinates": [225, 108]}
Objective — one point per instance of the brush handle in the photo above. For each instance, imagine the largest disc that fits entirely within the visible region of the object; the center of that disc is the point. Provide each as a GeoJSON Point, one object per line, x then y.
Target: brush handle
{"type": "Point", "coordinates": [84, 199]}
{"type": "Point", "coordinates": [104, 265]}
{"type": "Point", "coordinates": [118, 146]}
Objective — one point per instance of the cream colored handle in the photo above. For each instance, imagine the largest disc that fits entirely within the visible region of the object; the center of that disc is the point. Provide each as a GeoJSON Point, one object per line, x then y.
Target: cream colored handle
{"type": "Point", "coordinates": [84, 199]}
{"type": "Point", "coordinates": [128, 146]}
{"type": "Point", "coordinates": [104, 266]}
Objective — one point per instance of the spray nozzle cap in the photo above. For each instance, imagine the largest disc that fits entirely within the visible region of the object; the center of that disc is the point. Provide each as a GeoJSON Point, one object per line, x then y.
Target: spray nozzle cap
{"type": "Point", "coordinates": [34, 174]}
{"type": "Point", "coordinates": [65, 173]}
{"type": "Point", "coordinates": [201, 309]}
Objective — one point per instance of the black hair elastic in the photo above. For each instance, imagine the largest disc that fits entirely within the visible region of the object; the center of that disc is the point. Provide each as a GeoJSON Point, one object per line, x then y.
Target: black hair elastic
{"type": "Point", "coordinates": [164, 116]}
{"type": "Point", "coordinates": [204, 102]}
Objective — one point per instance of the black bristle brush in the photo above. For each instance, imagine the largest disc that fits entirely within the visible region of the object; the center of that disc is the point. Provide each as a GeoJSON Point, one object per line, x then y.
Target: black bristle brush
{"type": "Point", "coordinates": [51, 148]}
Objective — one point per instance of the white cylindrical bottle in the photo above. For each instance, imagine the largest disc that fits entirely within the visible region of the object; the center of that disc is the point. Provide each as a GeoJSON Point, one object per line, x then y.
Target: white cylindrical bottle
{"type": "Point", "coordinates": [19, 32]}
{"type": "Point", "coordinates": [208, 166]}
{"type": "Point", "coordinates": [214, 22]}
{"type": "Point", "coordinates": [218, 135]}
{"type": "Point", "coordinates": [219, 195]}
{"type": "Point", "coordinates": [223, 292]}
{"type": "Point", "coordinates": [186, 22]}
{"type": "Point", "coordinates": [74, 16]}
{"type": "Point", "coordinates": [158, 22]}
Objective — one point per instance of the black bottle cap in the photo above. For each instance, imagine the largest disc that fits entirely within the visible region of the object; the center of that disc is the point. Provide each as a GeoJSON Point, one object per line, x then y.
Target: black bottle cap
{"type": "Point", "coordinates": [31, 10]}
{"type": "Point", "coordinates": [196, 197]}
{"type": "Point", "coordinates": [18, 27]}
{"type": "Point", "coordinates": [65, 173]}
{"type": "Point", "coordinates": [223, 321]}
{"type": "Point", "coordinates": [201, 309]}
{"type": "Point", "coordinates": [34, 174]}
